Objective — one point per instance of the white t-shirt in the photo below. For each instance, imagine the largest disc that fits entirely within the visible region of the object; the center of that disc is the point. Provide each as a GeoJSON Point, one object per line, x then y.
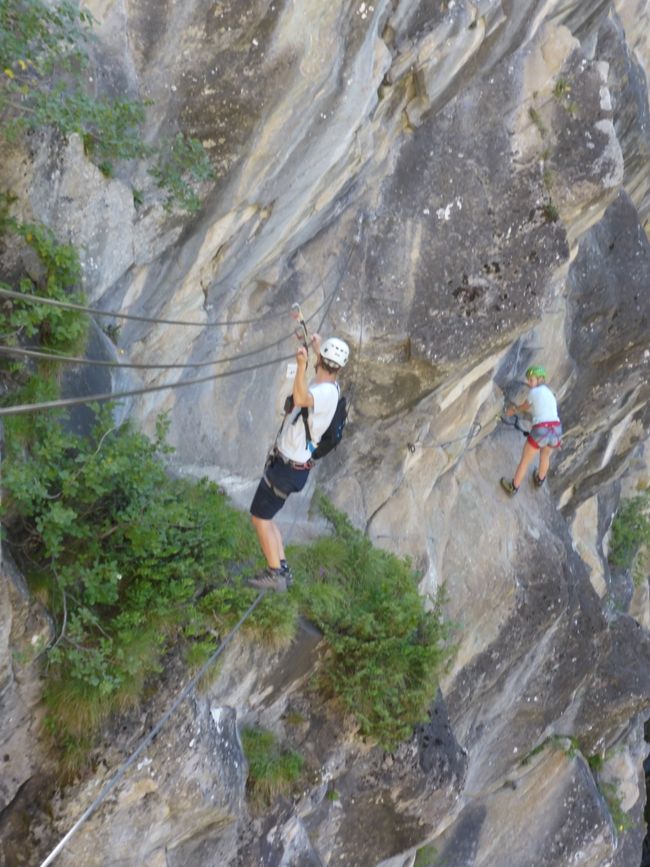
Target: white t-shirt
{"type": "Point", "coordinates": [544, 404]}
{"type": "Point", "coordinates": [292, 440]}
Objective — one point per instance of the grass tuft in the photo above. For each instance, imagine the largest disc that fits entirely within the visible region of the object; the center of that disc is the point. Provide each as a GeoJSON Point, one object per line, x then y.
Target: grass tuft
{"type": "Point", "coordinates": [273, 770]}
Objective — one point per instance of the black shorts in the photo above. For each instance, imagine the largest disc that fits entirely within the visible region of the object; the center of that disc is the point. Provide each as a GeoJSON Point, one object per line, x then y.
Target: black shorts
{"type": "Point", "coordinates": [266, 503]}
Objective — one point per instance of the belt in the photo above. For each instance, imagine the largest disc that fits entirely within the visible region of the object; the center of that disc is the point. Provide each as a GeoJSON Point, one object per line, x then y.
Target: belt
{"type": "Point", "coordinates": [294, 464]}
{"type": "Point", "coordinates": [547, 424]}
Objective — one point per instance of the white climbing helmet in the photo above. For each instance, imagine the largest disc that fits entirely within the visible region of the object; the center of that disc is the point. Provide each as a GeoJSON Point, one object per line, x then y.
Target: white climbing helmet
{"type": "Point", "coordinates": [335, 351]}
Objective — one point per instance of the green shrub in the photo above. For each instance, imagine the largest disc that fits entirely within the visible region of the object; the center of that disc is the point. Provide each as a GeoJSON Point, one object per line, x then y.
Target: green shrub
{"type": "Point", "coordinates": [44, 51]}
{"type": "Point", "coordinates": [536, 118]}
{"type": "Point", "coordinates": [427, 856]}
{"type": "Point", "coordinates": [127, 559]}
{"type": "Point", "coordinates": [44, 57]}
{"type": "Point", "coordinates": [273, 770]}
{"type": "Point", "coordinates": [385, 652]}
{"type": "Point", "coordinates": [550, 213]}
{"type": "Point", "coordinates": [596, 762]}
{"type": "Point", "coordinates": [561, 89]}
{"type": "Point", "coordinates": [622, 820]}
{"type": "Point", "coordinates": [182, 164]}
{"type": "Point", "coordinates": [58, 277]}
{"type": "Point", "coordinates": [630, 530]}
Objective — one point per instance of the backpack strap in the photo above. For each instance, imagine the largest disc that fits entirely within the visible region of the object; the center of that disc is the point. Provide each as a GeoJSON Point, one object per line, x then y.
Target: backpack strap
{"type": "Point", "coordinates": [304, 412]}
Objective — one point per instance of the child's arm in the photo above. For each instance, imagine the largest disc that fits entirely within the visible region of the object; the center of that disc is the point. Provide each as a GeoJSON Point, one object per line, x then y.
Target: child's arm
{"type": "Point", "coordinates": [526, 406]}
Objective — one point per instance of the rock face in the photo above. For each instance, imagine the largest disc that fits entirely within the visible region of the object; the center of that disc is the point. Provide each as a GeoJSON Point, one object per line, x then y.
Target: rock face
{"type": "Point", "coordinates": [24, 631]}
{"type": "Point", "coordinates": [458, 189]}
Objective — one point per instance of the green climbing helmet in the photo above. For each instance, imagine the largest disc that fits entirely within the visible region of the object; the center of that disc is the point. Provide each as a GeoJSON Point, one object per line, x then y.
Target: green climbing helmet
{"type": "Point", "coordinates": [536, 370]}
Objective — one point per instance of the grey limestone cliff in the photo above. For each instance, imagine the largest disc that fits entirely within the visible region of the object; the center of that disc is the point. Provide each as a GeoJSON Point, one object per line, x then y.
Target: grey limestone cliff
{"type": "Point", "coordinates": [458, 189]}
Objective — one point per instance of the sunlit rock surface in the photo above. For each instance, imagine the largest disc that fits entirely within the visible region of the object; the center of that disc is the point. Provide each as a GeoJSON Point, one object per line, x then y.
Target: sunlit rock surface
{"type": "Point", "coordinates": [458, 189]}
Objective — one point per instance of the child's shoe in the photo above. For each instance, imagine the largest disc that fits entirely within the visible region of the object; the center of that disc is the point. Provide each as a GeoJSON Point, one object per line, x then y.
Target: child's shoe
{"type": "Point", "coordinates": [536, 479]}
{"type": "Point", "coordinates": [509, 487]}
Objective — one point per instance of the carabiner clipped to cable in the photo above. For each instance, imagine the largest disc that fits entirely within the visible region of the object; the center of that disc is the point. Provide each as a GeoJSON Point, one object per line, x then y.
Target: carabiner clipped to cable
{"type": "Point", "coordinates": [515, 423]}
{"type": "Point", "coordinates": [301, 333]}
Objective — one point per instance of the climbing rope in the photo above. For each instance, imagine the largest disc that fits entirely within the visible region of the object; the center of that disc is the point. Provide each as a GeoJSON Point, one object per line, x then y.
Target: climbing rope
{"type": "Point", "coordinates": [152, 734]}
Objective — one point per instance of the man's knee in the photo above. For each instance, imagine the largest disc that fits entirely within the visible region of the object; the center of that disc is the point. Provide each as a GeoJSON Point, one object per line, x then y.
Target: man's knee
{"type": "Point", "coordinates": [259, 523]}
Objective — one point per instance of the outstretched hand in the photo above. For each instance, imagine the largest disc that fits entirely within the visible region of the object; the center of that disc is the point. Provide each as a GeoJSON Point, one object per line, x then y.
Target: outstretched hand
{"type": "Point", "coordinates": [316, 342]}
{"type": "Point", "coordinates": [301, 356]}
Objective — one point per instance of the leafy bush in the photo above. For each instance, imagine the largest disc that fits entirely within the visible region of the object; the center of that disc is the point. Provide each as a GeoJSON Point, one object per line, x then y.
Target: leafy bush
{"type": "Point", "coordinates": [385, 652]}
{"type": "Point", "coordinates": [36, 37]}
{"type": "Point", "coordinates": [57, 274]}
{"type": "Point", "coordinates": [427, 856]}
{"type": "Point", "coordinates": [121, 554]}
{"type": "Point", "coordinates": [44, 54]}
{"type": "Point", "coordinates": [182, 163]}
{"type": "Point", "coordinates": [630, 530]}
{"type": "Point", "coordinates": [272, 769]}
{"type": "Point", "coordinates": [56, 329]}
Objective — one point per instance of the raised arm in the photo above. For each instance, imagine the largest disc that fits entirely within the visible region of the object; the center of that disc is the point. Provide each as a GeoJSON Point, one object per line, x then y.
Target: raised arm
{"type": "Point", "coordinates": [301, 394]}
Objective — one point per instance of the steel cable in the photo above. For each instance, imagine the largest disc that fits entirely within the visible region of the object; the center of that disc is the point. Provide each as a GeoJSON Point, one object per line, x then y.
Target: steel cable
{"type": "Point", "coordinates": [71, 359]}
{"type": "Point", "coordinates": [20, 409]}
{"type": "Point", "coordinates": [96, 311]}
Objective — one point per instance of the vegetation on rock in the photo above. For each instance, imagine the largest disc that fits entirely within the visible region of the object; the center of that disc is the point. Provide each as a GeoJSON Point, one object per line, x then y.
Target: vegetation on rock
{"type": "Point", "coordinates": [630, 533]}
{"type": "Point", "coordinates": [45, 54]}
{"type": "Point", "coordinates": [273, 769]}
{"type": "Point", "coordinates": [385, 651]}
{"type": "Point", "coordinates": [130, 561]}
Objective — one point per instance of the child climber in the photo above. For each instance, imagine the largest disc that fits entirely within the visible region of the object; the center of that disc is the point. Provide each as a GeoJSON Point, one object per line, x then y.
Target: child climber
{"type": "Point", "coordinates": [545, 434]}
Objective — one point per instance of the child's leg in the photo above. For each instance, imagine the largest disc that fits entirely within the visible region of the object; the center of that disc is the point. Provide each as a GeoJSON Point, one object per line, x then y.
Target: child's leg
{"type": "Point", "coordinates": [527, 456]}
{"type": "Point", "coordinates": [544, 461]}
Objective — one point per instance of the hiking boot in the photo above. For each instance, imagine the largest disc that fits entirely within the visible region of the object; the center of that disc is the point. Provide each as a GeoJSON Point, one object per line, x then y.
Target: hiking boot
{"type": "Point", "coordinates": [287, 574]}
{"type": "Point", "coordinates": [269, 579]}
{"type": "Point", "coordinates": [508, 487]}
{"type": "Point", "coordinates": [536, 479]}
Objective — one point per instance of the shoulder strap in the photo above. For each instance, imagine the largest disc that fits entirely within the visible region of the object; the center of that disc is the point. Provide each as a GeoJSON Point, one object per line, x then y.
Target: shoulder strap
{"type": "Point", "coordinates": [304, 412]}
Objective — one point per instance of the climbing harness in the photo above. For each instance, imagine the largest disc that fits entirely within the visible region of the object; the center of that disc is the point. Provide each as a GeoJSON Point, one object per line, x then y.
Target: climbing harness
{"type": "Point", "coordinates": [154, 731]}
